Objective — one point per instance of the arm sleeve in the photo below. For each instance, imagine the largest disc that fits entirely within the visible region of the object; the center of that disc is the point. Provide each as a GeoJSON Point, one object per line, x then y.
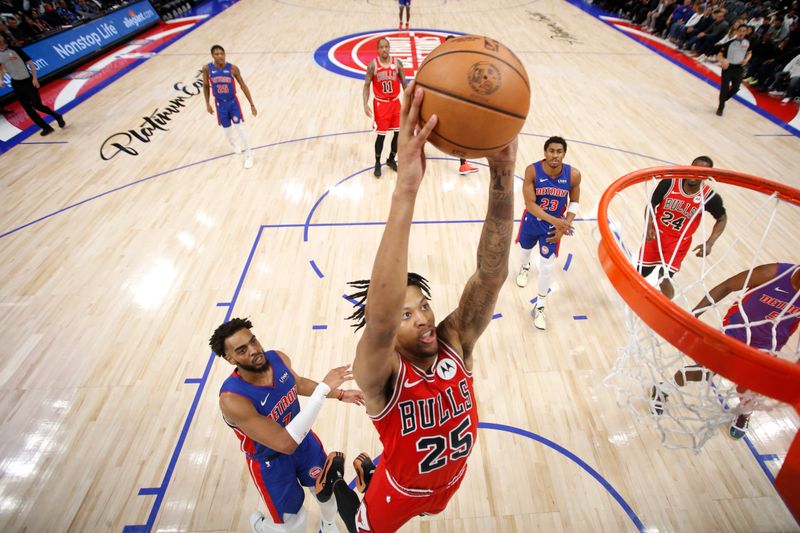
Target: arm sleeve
{"type": "Point", "coordinates": [300, 425]}
{"type": "Point", "coordinates": [715, 207]}
{"type": "Point", "coordinates": [661, 191]}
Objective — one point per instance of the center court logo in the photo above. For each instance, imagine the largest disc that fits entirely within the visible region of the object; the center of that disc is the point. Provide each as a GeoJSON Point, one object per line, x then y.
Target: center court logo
{"type": "Point", "coordinates": [350, 55]}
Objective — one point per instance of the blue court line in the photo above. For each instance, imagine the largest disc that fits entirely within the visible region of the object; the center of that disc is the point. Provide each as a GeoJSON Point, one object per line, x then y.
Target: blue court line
{"type": "Point", "coordinates": [316, 269]}
{"type": "Point", "coordinates": [223, 304]}
{"type": "Point", "coordinates": [760, 459]}
{"type": "Point", "coordinates": [354, 302]}
{"type": "Point", "coordinates": [533, 301]}
{"type": "Point", "coordinates": [769, 456]}
{"type": "Point", "coordinates": [319, 326]}
{"type": "Point", "coordinates": [44, 142]}
{"type": "Point", "coordinates": [596, 12]}
{"type": "Point", "coordinates": [773, 135]}
{"type": "Point", "coordinates": [568, 262]}
{"type": "Point", "coordinates": [497, 315]}
{"type": "Point", "coordinates": [193, 380]}
{"type": "Point", "coordinates": [579, 317]}
{"type": "Point", "coordinates": [149, 491]}
{"type": "Point", "coordinates": [193, 408]}
{"type": "Point", "coordinates": [566, 453]}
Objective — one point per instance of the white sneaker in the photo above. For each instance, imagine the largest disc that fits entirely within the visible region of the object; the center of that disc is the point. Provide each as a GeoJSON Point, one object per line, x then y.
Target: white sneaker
{"type": "Point", "coordinates": [256, 521]}
{"type": "Point", "coordinates": [328, 527]}
{"type": "Point", "coordinates": [538, 318]}
{"type": "Point", "coordinates": [522, 277]}
{"type": "Point", "coordinates": [248, 162]}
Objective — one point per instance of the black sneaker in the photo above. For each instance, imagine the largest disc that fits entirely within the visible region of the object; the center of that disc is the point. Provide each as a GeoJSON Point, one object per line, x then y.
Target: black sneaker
{"type": "Point", "coordinates": [377, 171]}
{"type": "Point", "coordinates": [46, 131]}
{"type": "Point", "coordinates": [60, 121]}
{"type": "Point", "coordinates": [391, 163]}
{"type": "Point", "coordinates": [739, 428]}
{"type": "Point", "coordinates": [332, 471]}
{"type": "Point", "coordinates": [364, 469]}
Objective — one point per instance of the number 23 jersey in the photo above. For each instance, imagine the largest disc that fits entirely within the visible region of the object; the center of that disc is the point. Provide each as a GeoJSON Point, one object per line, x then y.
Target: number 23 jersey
{"type": "Point", "coordinates": [430, 424]}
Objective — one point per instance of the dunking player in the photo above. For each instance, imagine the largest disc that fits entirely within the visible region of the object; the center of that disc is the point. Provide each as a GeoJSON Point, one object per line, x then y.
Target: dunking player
{"type": "Point", "coordinates": [417, 376]}
{"type": "Point", "coordinates": [385, 77]}
{"type": "Point", "coordinates": [259, 402]}
{"type": "Point", "coordinates": [764, 317]}
{"type": "Point", "coordinates": [551, 190]}
{"type": "Point", "coordinates": [678, 205]}
{"type": "Point", "coordinates": [218, 77]}
{"type": "Point", "coordinates": [404, 4]}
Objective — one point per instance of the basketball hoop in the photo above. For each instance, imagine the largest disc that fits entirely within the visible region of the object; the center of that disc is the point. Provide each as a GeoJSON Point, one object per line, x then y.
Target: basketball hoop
{"type": "Point", "coordinates": [729, 358]}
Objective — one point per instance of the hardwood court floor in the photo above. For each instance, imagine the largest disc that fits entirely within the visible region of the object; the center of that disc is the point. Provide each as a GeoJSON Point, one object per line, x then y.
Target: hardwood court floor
{"type": "Point", "coordinates": [109, 391]}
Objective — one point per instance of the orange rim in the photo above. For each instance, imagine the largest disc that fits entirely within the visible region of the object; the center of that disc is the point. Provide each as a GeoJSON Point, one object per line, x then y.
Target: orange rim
{"type": "Point", "coordinates": [724, 355]}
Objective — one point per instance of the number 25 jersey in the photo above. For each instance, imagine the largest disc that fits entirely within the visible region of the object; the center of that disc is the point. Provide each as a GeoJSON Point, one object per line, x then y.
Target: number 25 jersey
{"type": "Point", "coordinates": [430, 424]}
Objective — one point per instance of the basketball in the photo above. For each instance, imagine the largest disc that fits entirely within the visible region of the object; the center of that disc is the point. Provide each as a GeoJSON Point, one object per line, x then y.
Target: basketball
{"type": "Point", "coordinates": [479, 90]}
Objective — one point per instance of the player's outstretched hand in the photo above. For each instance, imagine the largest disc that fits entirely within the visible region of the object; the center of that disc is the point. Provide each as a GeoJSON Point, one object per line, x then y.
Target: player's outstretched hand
{"type": "Point", "coordinates": [209, 109]}
{"type": "Point", "coordinates": [253, 110]}
{"type": "Point", "coordinates": [337, 376]}
{"type": "Point", "coordinates": [411, 143]}
{"type": "Point", "coordinates": [702, 250]}
{"type": "Point", "coordinates": [353, 396]}
{"type": "Point", "coordinates": [367, 110]}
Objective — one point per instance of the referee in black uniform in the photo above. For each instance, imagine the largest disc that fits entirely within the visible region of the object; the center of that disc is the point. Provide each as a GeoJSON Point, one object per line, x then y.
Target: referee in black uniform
{"type": "Point", "coordinates": [733, 56]}
{"type": "Point", "coordinates": [16, 62]}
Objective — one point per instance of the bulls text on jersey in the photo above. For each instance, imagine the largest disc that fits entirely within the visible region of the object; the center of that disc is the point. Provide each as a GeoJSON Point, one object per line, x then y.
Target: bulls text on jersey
{"type": "Point", "coordinates": [435, 411]}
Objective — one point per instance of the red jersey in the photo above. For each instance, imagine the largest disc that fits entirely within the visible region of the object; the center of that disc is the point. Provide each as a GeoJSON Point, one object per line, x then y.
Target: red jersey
{"type": "Point", "coordinates": [679, 213]}
{"type": "Point", "coordinates": [385, 81]}
{"type": "Point", "coordinates": [429, 426]}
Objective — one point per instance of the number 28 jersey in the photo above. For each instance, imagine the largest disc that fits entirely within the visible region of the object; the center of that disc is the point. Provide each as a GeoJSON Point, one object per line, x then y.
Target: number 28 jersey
{"type": "Point", "coordinates": [430, 424]}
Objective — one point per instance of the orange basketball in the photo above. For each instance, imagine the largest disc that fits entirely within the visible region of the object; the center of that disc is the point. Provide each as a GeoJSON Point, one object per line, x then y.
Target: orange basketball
{"type": "Point", "coordinates": [479, 90]}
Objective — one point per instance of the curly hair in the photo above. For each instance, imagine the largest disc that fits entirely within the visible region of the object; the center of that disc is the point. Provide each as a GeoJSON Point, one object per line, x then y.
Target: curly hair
{"type": "Point", "coordinates": [225, 330]}
{"type": "Point", "coordinates": [359, 299]}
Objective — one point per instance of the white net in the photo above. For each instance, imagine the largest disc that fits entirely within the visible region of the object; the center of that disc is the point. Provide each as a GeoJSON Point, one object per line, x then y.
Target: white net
{"type": "Point", "coordinates": [661, 386]}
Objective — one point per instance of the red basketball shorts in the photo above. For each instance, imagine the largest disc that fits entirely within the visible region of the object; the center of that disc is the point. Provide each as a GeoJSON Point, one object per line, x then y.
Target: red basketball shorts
{"type": "Point", "coordinates": [387, 115]}
{"type": "Point", "coordinates": [387, 505]}
{"type": "Point", "coordinates": [653, 257]}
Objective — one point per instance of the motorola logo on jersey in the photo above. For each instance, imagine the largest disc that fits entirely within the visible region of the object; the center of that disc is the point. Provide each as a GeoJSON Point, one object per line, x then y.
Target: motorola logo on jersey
{"type": "Point", "coordinates": [446, 369]}
{"type": "Point", "coordinates": [350, 55]}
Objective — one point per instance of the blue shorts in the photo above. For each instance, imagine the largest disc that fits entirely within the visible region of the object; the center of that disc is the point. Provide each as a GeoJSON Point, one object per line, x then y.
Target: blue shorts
{"type": "Point", "coordinates": [532, 231]}
{"type": "Point", "coordinates": [405, 3]}
{"type": "Point", "coordinates": [228, 111]}
{"type": "Point", "coordinates": [280, 481]}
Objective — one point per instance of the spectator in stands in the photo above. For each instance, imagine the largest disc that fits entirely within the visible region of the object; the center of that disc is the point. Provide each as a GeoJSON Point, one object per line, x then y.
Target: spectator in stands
{"type": "Point", "coordinates": [680, 17]}
{"type": "Point", "coordinates": [696, 24]}
{"type": "Point", "coordinates": [792, 70]}
{"type": "Point", "coordinates": [704, 40]}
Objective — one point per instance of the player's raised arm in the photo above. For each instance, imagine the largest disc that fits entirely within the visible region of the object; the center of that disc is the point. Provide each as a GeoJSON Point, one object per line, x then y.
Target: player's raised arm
{"type": "Point", "coordinates": [463, 326]}
{"type": "Point", "coordinates": [387, 287]}
{"type": "Point", "coordinates": [760, 275]}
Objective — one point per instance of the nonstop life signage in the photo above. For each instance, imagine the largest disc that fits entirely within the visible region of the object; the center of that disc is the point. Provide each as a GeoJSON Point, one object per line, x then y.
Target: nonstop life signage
{"type": "Point", "coordinates": [70, 46]}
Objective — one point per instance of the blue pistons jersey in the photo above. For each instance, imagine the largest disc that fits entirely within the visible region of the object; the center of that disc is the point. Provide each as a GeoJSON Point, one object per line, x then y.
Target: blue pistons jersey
{"type": "Point", "coordinates": [279, 477]}
{"type": "Point", "coordinates": [222, 83]}
{"type": "Point", "coordinates": [278, 402]}
{"type": "Point", "coordinates": [552, 195]}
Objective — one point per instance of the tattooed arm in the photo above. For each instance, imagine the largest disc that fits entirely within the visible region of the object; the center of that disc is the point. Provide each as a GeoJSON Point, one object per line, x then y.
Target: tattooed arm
{"type": "Point", "coordinates": [463, 326]}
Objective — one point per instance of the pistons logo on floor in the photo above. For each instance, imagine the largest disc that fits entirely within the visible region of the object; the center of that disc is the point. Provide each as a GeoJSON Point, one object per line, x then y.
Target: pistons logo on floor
{"type": "Point", "coordinates": [350, 55]}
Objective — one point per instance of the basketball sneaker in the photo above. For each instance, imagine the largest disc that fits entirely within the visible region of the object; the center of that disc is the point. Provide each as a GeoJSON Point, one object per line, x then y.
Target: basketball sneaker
{"type": "Point", "coordinates": [739, 427]}
{"type": "Point", "coordinates": [60, 121]}
{"type": "Point", "coordinates": [256, 521]}
{"type": "Point", "coordinates": [400, 26]}
{"type": "Point", "coordinates": [658, 399]}
{"type": "Point", "coordinates": [538, 318]}
{"type": "Point", "coordinates": [248, 162]}
{"type": "Point", "coordinates": [377, 171]}
{"type": "Point", "coordinates": [466, 168]}
{"type": "Point", "coordinates": [332, 471]}
{"type": "Point", "coordinates": [391, 163]}
{"type": "Point", "coordinates": [364, 469]}
{"type": "Point", "coordinates": [522, 276]}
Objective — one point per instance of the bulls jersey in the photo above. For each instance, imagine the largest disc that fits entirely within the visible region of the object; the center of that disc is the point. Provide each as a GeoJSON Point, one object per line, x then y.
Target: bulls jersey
{"type": "Point", "coordinates": [278, 402]}
{"type": "Point", "coordinates": [222, 82]}
{"type": "Point", "coordinates": [386, 81]}
{"type": "Point", "coordinates": [429, 426]}
{"type": "Point", "coordinates": [778, 299]}
{"type": "Point", "coordinates": [678, 213]}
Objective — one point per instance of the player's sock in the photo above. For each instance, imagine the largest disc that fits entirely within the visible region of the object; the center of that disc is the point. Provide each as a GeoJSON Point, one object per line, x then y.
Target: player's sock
{"type": "Point", "coordinates": [243, 137]}
{"type": "Point", "coordinates": [393, 146]}
{"type": "Point", "coordinates": [229, 135]}
{"type": "Point", "coordinates": [546, 265]}
{"type": "Point", "coordinates": [327, 514]}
